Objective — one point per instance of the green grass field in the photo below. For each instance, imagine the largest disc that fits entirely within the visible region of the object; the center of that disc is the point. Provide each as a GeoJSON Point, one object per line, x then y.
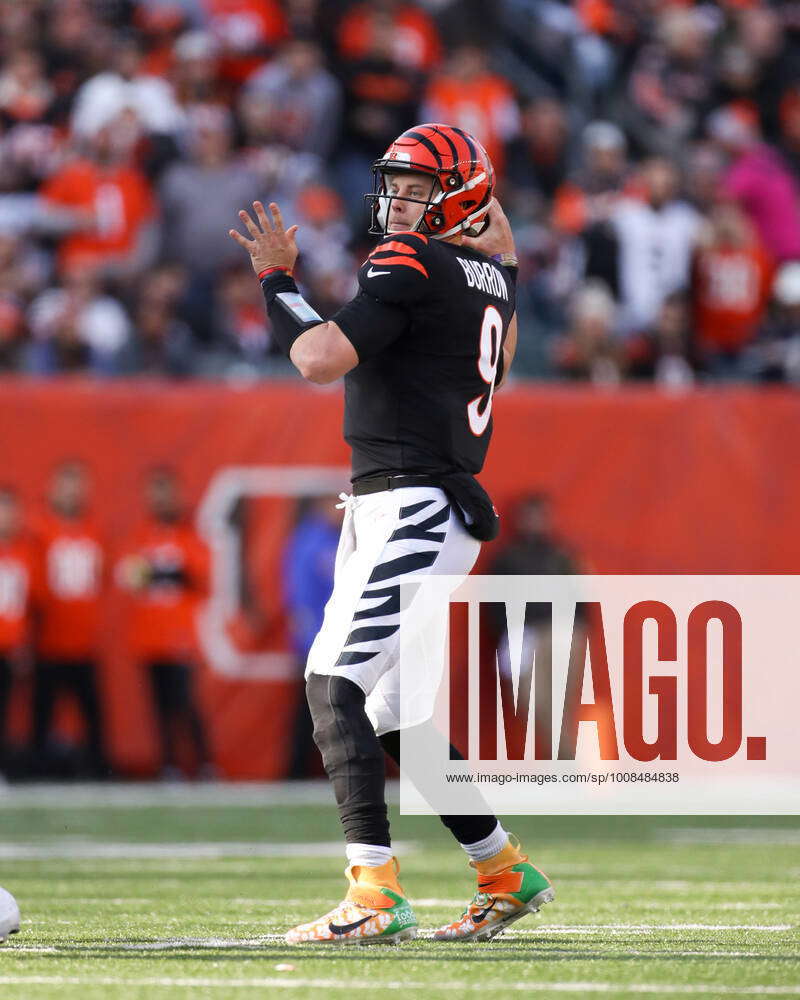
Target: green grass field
{"type": "Point", "coordinates": [185, 893]}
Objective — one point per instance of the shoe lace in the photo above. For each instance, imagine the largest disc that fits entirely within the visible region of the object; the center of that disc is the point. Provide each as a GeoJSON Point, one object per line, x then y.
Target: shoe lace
{"type": "Point", "coordinates": [478, 902]}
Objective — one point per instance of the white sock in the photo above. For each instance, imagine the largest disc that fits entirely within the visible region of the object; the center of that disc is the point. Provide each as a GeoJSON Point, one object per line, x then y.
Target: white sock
{"type": "Point", "coordinates": [489, 846]}
{"type": "Point", "coordinates": [368, 855]}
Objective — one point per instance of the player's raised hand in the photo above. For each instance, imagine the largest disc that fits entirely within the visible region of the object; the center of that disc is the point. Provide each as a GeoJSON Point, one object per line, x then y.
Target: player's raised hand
{"type": "Point", "coordinates": [271, 245]}
{"type": "Point", "coordinates": [497, 238]}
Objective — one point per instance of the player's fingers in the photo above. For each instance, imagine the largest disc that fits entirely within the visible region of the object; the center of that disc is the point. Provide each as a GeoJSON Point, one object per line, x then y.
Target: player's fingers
{"type": "Point", "coordinates": [263, 218]}
{"type": "Point", "coordinates": [276, 215]}
{"type": "Point", "coordinates": [252, 228]}
{"type": "Point", "coordinates": [241, 240]}
{"type": "Point", "coordinates": [290, 232]}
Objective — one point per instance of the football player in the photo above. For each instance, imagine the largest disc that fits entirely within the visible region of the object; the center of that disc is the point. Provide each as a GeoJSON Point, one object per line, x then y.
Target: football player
{"type": "Point", "coordinates": [423, 346]}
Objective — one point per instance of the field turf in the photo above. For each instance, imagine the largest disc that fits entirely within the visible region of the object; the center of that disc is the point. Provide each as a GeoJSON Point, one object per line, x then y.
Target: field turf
{"type": "Point", "coordinates": [185, 892]}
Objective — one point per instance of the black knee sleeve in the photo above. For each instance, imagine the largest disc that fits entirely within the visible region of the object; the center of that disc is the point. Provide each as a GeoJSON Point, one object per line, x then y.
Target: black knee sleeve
{"type": "Point", "coordinates": [466, 829]}
{"type": "Point", "coordinates": [352, 756]}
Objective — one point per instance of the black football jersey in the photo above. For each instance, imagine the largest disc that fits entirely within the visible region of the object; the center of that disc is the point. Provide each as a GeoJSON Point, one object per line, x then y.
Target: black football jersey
{"type": "Point", "coordinates": [428, 325]}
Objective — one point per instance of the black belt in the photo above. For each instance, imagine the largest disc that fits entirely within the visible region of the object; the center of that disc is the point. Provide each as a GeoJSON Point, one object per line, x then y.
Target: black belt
{"type": "Point", "coordinates": [377, 484]}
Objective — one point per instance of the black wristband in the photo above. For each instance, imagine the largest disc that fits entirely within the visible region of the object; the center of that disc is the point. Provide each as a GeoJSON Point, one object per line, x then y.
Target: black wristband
{"type": "Point", "coordinates": [289, 313]}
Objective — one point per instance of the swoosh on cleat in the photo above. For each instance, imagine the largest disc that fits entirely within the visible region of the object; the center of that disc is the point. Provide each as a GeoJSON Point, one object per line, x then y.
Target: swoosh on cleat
{"type": "Point", "coordinates": [346, 928]}
{"type": "Point", "coordinates": [482, 915]}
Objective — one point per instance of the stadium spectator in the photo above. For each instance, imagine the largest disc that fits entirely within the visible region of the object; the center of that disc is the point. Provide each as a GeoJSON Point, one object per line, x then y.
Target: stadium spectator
{"type": "Point", "coordinates": [323, 238]}
{"type": "Point", "coordinates": [26, 95]}
{"type": "Point", "coordinates": [588, 194]}
{"type": "Point", "coordinates": [670, 82]}
{"type": "Point", "coordinates": [764, 39]}
{"type": "Point", "coordinates": [308, 562]}
{"type": "Point", "coordinates": [125, 86]}
{"type": "Point", "coordinates": [412, 35]}
{"type": "Point", "coordinates": [68, 603]}
{"type": "Point", "coordinates": [468, 94]}
{"type": "Point", "coordinates": [165, 571]}
{"type": "Point", "coordinates": [589, 349]}
{"type": "Point", "coordinates": [200, 195]}
{"type": "Point", "coordinates": [534, 550]}
{"type": "Point", "coordinates": [77, 328]}
{"type": "Point", "coordinates": [583, 204]}
{"type": "Point", "coordinates": [705, 165]}
{"type": "Point", "coordinates": [537, 158]}
{"type": "Point", "coordinates": [246, 33]}
{"type": "Point", "coordinates": [17, 572]}
{"type": "Point", "coordinates": [164, 343]}
{"type": "Point", "coordinates": [23, 268]}
{"type": "Point", "coordinates": [302, 98]}
{"type": "Point", "coordinates": [775, 357]}
{"type": "Point", "coordinates": [115, 230]}
{"type": "Point", "coordinates": [665, 354]}
{"type": "Point", "coordinates": [242, 343]}
{"type": "Point", "coordinates": [759, 181]}
{"type": "Point", "coordinates": [732, 281]}
{"type": "Point", "coordinates": [195, 68]}
{"type": "Point", "coordinates": [655, 237]}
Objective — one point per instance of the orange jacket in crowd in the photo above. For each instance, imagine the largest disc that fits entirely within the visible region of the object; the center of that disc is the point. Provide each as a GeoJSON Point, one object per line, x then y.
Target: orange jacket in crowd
{"type": "Point", "coordinates": [245, 31]}
{"type": "Point", "coordinates": [69, 588]}
{"type": "Point", "coordinates": [17, 574]}
{"type": "Point", "coordinates": [731, 291]}
{"type": "Point", "coordinates": [415, 40]}
{"type": "Point", "coordinates": [166, 571]}
{"type": "Point", "coordinates": [119, 199]}
{"type": "Point", "coordinates": [484, 107]}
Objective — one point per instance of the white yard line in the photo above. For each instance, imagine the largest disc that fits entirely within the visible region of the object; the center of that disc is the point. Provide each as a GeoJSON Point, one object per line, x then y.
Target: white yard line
{"type": "Point", "coordinates": [79, 848]}
{"type": "Point", "coordinates": [531, 935]}
{"type": "Point", "coordinates": [731, 835]}
{"type": "Point", "coordinates": [286, 982]}
{"type": "Point", "coordinates": [602, 928]}
{"type": "Point", "coordinates": [420, 904]}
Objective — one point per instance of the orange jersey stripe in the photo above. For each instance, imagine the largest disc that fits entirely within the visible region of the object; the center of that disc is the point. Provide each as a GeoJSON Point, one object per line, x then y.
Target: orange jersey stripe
{"type": "Point", "coordinates": [407, 261]}
{"type": "Point", "coordinates": [394, 245]}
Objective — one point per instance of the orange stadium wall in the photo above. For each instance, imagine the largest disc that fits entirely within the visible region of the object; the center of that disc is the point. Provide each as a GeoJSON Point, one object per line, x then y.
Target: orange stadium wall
{"type": "Point", "coordinates": [642, 482]}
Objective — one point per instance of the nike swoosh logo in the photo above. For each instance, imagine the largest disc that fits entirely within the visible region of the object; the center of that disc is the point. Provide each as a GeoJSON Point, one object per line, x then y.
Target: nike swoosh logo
{"type": "Point", "coordinates": [372, 273]}
{"type": "Point", "coordinates": [346, 928]}
{"type": "Point", "coordinates": [482, 915]}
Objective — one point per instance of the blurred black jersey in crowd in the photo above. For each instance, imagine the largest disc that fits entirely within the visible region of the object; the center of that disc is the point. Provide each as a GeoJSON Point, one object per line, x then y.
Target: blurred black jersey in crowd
{"type": "Point", "coordinates": [428, 324]}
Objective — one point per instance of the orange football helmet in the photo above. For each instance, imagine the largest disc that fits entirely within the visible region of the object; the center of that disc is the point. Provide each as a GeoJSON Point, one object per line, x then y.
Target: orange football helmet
{"type": "Point", "coordinates": [462, 173]}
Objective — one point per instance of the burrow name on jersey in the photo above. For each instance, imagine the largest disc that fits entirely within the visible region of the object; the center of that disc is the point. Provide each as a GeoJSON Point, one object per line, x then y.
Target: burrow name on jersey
{"type": "Point", "coordinates": [484, 276]}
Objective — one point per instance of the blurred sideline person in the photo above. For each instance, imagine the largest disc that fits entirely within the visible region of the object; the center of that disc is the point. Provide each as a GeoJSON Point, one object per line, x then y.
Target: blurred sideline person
{"type": "Point", "coordinates": [533, 551]}
{"type": "Point", "coordinates": [72, 565]}
{"type": "Point", "coordinates": [17, 568]}
{"type": "Point", "coordinates": [309, 559]}
{"type": "Point", "coordinates": [422, 347]}
{"type": "Point", "coordinates": [165, 570]}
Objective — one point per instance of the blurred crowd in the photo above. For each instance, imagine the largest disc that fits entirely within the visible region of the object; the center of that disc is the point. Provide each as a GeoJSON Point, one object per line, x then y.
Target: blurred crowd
{"type": "Point", "coordinates": [648, 154]}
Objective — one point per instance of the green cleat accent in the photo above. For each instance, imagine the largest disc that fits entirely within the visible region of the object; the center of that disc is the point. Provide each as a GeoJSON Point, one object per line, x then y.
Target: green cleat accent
{"type": "Point", "coordinates": [490, 913]}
